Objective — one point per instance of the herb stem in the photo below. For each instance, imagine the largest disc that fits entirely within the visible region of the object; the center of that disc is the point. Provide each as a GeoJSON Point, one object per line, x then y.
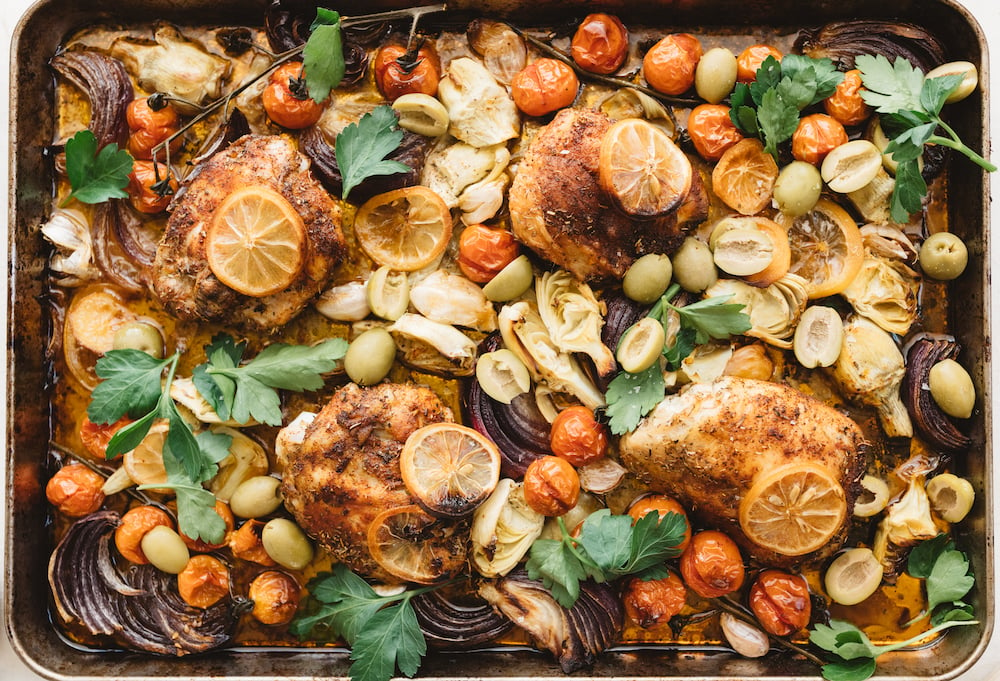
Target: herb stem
{"type": "Point", "coordinates": [961, 148]}
{"type": "Point", "coordinates": [879, 650]}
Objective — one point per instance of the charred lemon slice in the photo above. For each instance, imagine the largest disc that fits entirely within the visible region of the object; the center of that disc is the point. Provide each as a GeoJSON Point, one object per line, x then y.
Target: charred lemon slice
{"type": "Point", "coordinates": [413, 546]}
{"type": "Point", "coordinates": [405, 229]}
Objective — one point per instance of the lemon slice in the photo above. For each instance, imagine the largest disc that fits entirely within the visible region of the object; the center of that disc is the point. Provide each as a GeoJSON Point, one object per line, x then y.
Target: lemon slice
{"type": "Point", "coordinates": [406, 229]}
{"type": "Point", "coordinates": [256, 242]}
{"type": "Point", "coordinates": [744, 177]}
{"type": "Point", "coordinates": [826, 248]}
{"type": "Point", "coordinates": [412, 545]}
{"type": "Point", "coordinates": [144, 464]}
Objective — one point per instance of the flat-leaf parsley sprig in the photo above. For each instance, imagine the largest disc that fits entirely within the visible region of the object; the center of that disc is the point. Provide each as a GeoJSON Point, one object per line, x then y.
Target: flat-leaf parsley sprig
{"type": "Point", "coordinates": [96, 175]}
{"type": "Point", "coordinates": [362, 147]}
{"type": "Point", "coordinates": [910, 106]}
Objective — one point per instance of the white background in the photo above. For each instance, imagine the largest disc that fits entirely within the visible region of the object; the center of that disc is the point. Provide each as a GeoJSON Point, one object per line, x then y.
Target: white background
{"type": "Point", "coordinates": [986, 11]}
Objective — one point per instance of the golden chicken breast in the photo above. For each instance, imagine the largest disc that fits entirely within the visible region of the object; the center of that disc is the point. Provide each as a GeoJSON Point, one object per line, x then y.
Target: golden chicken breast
{"type": "Point", "coordinates": [715, 445]}
{"type": "Point", "coordinates": [182, 277]}
{"type": "Point", "coordinates": [344, 470]}
{"type": "Point", "coordinates": [559, 210]}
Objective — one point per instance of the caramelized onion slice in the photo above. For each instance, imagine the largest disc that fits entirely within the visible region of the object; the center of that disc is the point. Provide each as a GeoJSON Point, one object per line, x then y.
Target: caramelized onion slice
{"type": "Point", "coordinates": [842, 41]}
{"type": "Point", "coordinates": [931, 422]}
{"type": "Point", "coordinates": [453, 625]}
{"type": "Point", "coordinates": [106, 83]}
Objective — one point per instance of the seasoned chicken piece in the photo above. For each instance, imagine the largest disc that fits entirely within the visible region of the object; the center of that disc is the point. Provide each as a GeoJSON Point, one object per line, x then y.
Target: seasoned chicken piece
{"type": "Point", "coordinates": [708, 445]}
{"type": "Point", "coordinates": [344, 470]}
{"type": "Point", "coordinates": [558, 209]}
{"type": "Point", "coordinates": [182, 278]}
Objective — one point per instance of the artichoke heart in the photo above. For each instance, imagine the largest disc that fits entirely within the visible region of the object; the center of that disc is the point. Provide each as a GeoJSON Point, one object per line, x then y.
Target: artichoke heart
{"type": "Point", "coordinates": [451, 167]}
{"type": "Point", "coordinates": [774, 311]}
{"type": "Point", "coordinates": [503, 529]}
{"type": "Point", "coordinates": [433, 346]}
{"type": "Point", "coordinates": [481, 111]}
{"type": "Point", "coordinates": [453, 299]}
{"type": "Point", "coordinates": [885, 291]}
{"type": "Point", "coordinates": [906, 523]}
{"type": "Point", "coordinates": [573, 317]}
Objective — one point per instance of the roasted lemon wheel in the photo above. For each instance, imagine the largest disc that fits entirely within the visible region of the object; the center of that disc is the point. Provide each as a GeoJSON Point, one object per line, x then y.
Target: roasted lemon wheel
{"type": "Point", "coordinates": [405, 229]}
{"type": "Point", "coordinates": [826, 248]}
{"type": "Point", "coordinates": [412, 545]}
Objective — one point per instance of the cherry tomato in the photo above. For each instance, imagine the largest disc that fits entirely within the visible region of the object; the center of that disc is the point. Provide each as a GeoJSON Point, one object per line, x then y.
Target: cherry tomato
{"type": "Point", "coordinates": [543, 86]}
{"type": "Point", "coordinates": [551, 485]}
{"type": "Point", "coordinates": [286, 98]}
{"type": "Point", "coordinates": [150, 127]}
{"type": "Point", "coordinates": [654, 601]}
{"type": "Point", "coordinates": [845, 105]}
{"type": "Point", "coordinates": [399, 71]}
{"type": "Point", "coordinates": [712, 131]}
{"type": "Point", "coordinates": [663, 505]}
{"type": "Point", "coordinates": [75, 490]}
{"type": "Point", "coordinates": [781, 602]}
{"type": "Point", "coordinates": [134, 525]}
{"type": "Point", "coordinates": [204, 581]}
{"type": "Point", "coordinates": [275, 597]}
{"type": "Point", "coordinates": [669, 65]}
{"type": "Point", "coordinates": [484, 251]}
{"type": "Point", "coordinates": [96, 436]}
{"type": "Point", "coordinates": [200, 545]}
{"type": "Point", "coordinates": [144, 183]}
{"type": "Point", "coordinates": [600, 44]}
{"type": "Point", "coordinates": [577, 437]}
{"type": "Point", "coordinates": [246, 543]}
{"type": "Point", "coordinates": [815, 137]}
{"type": "Point", "coordinates": [750, 59]}
{"type": "Point", "coordinates": [712, 565]}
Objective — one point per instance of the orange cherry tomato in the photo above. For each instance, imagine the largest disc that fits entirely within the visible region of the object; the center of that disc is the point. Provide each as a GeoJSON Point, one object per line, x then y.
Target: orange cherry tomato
{"type": "Point", "coordinates": [543, 86]}
{"type": "Point", "coordinates": [654, 601]}
{"type": "Point", "coordinates": [662, 505]}
{"type": "Point", "coordinates": [75, 490]}
{"type": "Point", "coordinates": [286, 98]}
{"type": "Point", "coordinates": [484, 251]}
{"type": "Point", "coordinates": [781, 602]}
{"type": "Point", "coordinates": [845, 105]}
{"type": "Point", "coordinates": [134, 525]}
{"type": "Point", "coordinates": [551, 485]}
{"type": "Point", "coordinates": [712, 565]}
{"type": "Point", "coordinates": [669, 65]}
{"type": "Point", "coordinates": [600, 44]}
{"type": "Point", "coordinates": [275, 597]}
{"type": "Point", "coordinates": [750, 59]}
{"type": "Point", "coordinates": [399, 71]}
{"type": "Point", "coordinates": [150, 127]}
{"type": "Point", "coordinates": [200, 545]}
{"type": "Point", "coordinates": [712, 131]}
{"type": "Point", "coordinates": [577, 437]}
{"type": "Point", "coordinates": [204, 581]}
{"type": "Point", "coordinates": [144, 186]}
{"type": "Point", "coordinates": [815, 137]}
{"type": "Point", "coordinates": [96, 436]}
{"type": "Point", "coordinates": [246, 543]}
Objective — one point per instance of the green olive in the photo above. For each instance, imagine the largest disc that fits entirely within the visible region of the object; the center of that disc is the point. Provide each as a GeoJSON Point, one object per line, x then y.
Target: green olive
{"type": "Point", "coordinates": [797, 188]}
{"type": "Point", "coordinates": [511, 281]}
{"type": "Point", "coordinates": [286, 544]}
{"type": "Point", "coordinates": [255, 497]}
{"type": "Point", "coordinates": [952, 388]}
{"type": "Point", "coordinates": [694, 268]}
{"type": "Point", "coordinates": [139, 335]}
{"type": "Point", "coordinates": [951, 496]}
{"type": "Point", "coordinates": [943, 256]}
{"type": "Point", "coordinates": [647, 278]}
{"type": "Point", "coordinates": [165, 549]}
{"type": "Point", "coordinates": [641, 345]}
{"type": "Point", "coordinates": [370, 356]}
{"type": "Point", "coordinates": [873, 498]}
{"type": "Point", "coordinates": [502, 375]}
{"type": "Point", "coordinates": [853, 576]}
{"type": "Point", "coordinates": [970, 78]}
{"type": "Point", "coordinates": [715, 75]}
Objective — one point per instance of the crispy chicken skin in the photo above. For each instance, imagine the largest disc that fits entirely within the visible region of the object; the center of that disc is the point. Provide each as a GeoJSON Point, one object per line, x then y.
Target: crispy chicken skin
{"type": "Point", "coordinates": [346, 470]}
{"type": "Point", "coordinates": [707, 444]}
{"type": "Point", "coordinates": [182, 278]}
{"type": "Point", "coordinates": [558, 209]}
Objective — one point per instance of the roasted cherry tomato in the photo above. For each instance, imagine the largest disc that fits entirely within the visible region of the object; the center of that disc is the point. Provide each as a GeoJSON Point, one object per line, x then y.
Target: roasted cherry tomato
{"type": "Point", "coordinates": [96, 436]}
{"type": "Point", "coordinates": [577, 437]}
{"type": "Point", "coordinates": [246, 543]}
{"type": "Point", "coordinates": [543, 86]}
{"type": "Point", "coordinates": [750, 59]}
{"type": "Point", "coordinates": [654, 601]}
{"type": "Point", "coordinates": [275, 597]}
{"type": "Point", "coordinates": [75, 490]}
{"type": "Point", "coordinates": [399, 71]}
{"type": "Point", "coordinates": [712, 565]}
{"type": "Point", "coordinates": [712, 131]}
{"type": "Point", "coordinates": [669, 65]}
{"type": "Point", "coordinates": [151, 187]}
{"type": "Point", "coordinates": [149, 127]}
{"type": "Point", "coordinates": [551, 485]}
{"type": "Point", "coordinates": [200, 545]}
{"type": "Point", "coordinates": [484, 251]}
{"type": "Point", "coordinates": [286, 98]}
{"type": "Point", "coordinates": [781, 602]}
{"type": "Point", "coordinates": [662, 505]}
{"type": "Point", "coordinates": [815, 137]}
{"type": "Point", "coordinates": [845, 105]}
{"type": "Point", "coordinates": [600, 44]}
{"type": "Point", "coordinates": [204, 581]}
{"type": "Point", "coordinates": [134, 525]}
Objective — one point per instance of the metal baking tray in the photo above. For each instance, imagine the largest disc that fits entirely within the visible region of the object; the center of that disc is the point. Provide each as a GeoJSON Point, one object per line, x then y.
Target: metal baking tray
{"type": "Point", "coordinates": [28, 542]}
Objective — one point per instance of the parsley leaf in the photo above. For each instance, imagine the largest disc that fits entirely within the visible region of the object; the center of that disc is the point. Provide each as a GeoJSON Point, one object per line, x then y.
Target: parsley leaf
{"type": "Point", "coordinates": [714, 318]}
{"type": "Point", "coordinates": [131, 385]}
{"type": "Point", "coordinates": [923, 556]}
{"type": "Point", "coordinates": [362, 147]}
{"type": "Point", "coordinates": [632, 396]}
{"type": "Point", "coordinates": [777, 120]}
{"type": "Point", "coordinates": [949, 579]}
{"type": "Point", "coordinates": [323, 55]}
{"type": "Point", "coordinates": [96, 176]}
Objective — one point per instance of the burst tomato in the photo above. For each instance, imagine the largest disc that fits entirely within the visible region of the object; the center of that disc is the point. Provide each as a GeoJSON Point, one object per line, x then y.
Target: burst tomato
{"type": "Point", "coordinates": [543, 86]}
{"type": "Point", "coordinates": [149, 127]}
{"type": "Point", "coordinates": [669, 65]}
{"type": "Point", "coordinates": [781, 602]}
{"type": "Point", "coordinates": [600, 44]}
{"type": "Point", "coordinates": [577, 437]}
{"type": "Point", "coordinates": [712, 131]}
{"type": "Point", "coordinates": [712, 565]}
{"type": "Point", "coordinates": [484, 251]}
{"type": "Point", "coordinates": [151, 187]}
{"type": "Point", "coordinates": [846, 105]}
{"type": "Point", "coordinates": [815, 137]}
{"type": "Point", "coordinates": [750, 59]}
{"type": "Point", "coordinates": [399, 71]}
{"type": "Point", "coordinates": [286, 98]}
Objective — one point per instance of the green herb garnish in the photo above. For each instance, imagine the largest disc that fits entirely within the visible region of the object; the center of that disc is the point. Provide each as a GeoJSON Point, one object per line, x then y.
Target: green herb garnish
{"type": "Point", "coordinates": [362, 148]}
{"type": "Point", "coordinates": [910, 106]}
{"type": "Point", "coordinates": [608, 547]}
{"type": "Point", "coordinates": [96, 176]}
{"type": "Point", "coordinates": [323, 55]}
